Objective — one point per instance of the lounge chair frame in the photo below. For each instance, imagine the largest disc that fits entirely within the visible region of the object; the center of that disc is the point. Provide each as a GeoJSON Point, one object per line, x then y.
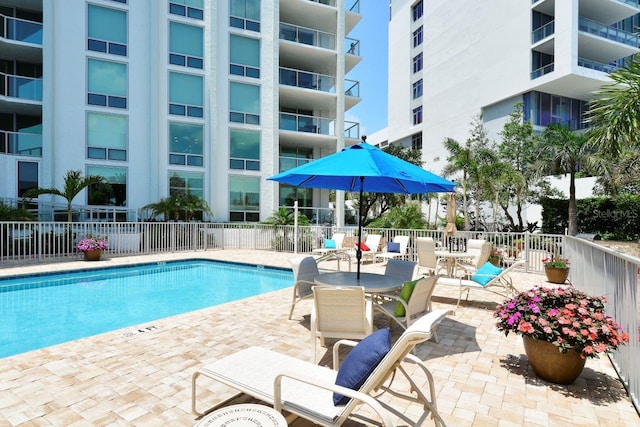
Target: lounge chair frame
{"type": "Point", "coordinates": [306, 390]}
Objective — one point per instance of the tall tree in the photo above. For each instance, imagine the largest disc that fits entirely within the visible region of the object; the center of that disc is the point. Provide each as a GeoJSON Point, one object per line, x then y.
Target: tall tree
{"type": "Point", "coordinates": [74, 183]}
{"type": "Point", "coordinates": [614, 112]}
{"type": "Point", "coordinates": [564, 152]}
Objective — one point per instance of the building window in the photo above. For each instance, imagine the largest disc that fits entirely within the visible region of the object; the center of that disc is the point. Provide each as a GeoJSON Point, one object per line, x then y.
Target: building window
{"type": "Point", "coordinates": [244, 56]}
{"type": "Point", "coordinates": [185, 183]}
{"type": "Point", "coordinates": [542, 109]}
{"type": "Point", "coordinates": [416, 141]}
{"type": "Point", "coordinates": [189, 8]}
{"type": "Point", "coordinates": [418, 10]}
{"type": "Point", "coordinates": [294, 157]}
{"type": "Point", "coordinates": [417, 37]}
{"type": "Point", "coordinates": [185, 45]}
{"type": "Point", "coordinates": [245, 14]}
{"type": "Point", "coordinates": [417, 115]}
{"type": "Point", "coordinates": [186, 95]}
{"type": "Point", "coordinates": [244, 199]}
{"type": "Point", "coordinates": [244, 103]}
{"type": "Point", "coordinates": [113, 192]}
{"type": "Point", "coordinates": [107, 83]}
{"type": "Point", "coordinates": [417, 89]}
{"type": "Point", "coordinates": [244, 149]}
{"type": "Point", "coordinates": [107, 30]}
{"type": "Point", "coordinates": [107, 136]}
{"type": "Point", "coordinates": [186, 144]}
{"type": "Point", "coordinates": [27, 177]}
{"type": "Point", "coordinates": [417, 63]}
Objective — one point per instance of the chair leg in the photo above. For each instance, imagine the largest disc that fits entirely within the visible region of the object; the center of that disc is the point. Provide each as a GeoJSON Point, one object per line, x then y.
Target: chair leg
{"type": "Point", "coordinates": [293, 303]}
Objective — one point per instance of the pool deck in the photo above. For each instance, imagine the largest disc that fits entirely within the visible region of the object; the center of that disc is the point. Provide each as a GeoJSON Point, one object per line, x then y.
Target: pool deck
{"type": "Point", "coordinates": [142, 375]}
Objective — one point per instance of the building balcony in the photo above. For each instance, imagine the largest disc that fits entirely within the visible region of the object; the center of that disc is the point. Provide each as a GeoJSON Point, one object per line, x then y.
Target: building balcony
{"type": "Point", "coordinates": [307, 124]}
{"type": "Point", "coordinates": [307, 36]}
{"type": "Point", "coordinates": [543, 32]}
{"type": "Point", "coordinates": [598, 66]}
{"type": "Point", "coordinates": [601, 43]}
{"type": "Point", "coordinates": [21, 144]}
{"type": "Point", "coordinates": [21, 30]}
{"type": "Point", "coordinates": [539, 72]}
{"type": "Point", "coordinates": [601, 30]}
{"type": "Point", "coordinates": [307, 80]}
{"type": "Point", "coordinates": [20, 87]}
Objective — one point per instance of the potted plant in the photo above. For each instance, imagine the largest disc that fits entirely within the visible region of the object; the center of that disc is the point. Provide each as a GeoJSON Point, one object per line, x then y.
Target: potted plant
{"type": "Point", "coordinates": [92, 247]}
{"type": "Point", "coordinates": [561, 328]}
{"type": "Point", "coordinates": [556, 269]}
{"type": "Point", "coordinates": [495, 256]}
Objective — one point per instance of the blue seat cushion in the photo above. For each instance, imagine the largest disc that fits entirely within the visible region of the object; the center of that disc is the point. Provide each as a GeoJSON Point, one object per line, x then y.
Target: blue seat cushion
{"type": "Point", "coordinates": [329, 244]}
{"type": "Point", "coordinates": [393, 247]}
{"type": "Point", "coordinates": [486, 273]}
{"type": "Point", "coordinates": [361, 361]}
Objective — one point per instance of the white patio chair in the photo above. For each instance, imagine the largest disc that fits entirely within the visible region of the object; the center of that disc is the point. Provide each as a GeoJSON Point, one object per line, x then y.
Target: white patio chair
{"type": "Point", "coordinates": [402, 243]}
{"type": "Point", "coordinates": [304, 270]}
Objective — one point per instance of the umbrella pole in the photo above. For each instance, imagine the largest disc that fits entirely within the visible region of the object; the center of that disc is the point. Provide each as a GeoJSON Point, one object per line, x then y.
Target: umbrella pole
{"type": "Point", "coordinates": [359, 250]}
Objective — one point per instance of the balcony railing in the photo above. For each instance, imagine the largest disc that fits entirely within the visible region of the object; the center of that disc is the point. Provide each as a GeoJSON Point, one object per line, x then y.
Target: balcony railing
{"type": "Point", "coordinates": [21, 144]}
{"type": "Point", "coordinates": [325, 2]}
{"type": "Point", "coordinates": [541, 71]}
{"type": "Point", "coordinates": [543, 32]}
{"type": "Point", "coordinates": [306, 80]}
{"type": "Point", "coordinates": [598, 66]}
{"type": "Point", "coordinates": [308, 124]}
{"type": "Point", "coordinates": [352, 46]}
{"type": "Point", "coordinates": [21, 30]}
{"type": "Point", "coordinates": [21, 87]}
{"type": "Point", "coordinates": [307, 36]}
{"type": "Point", "coordinates": [352, 130]}
{"type": "Point", "coordinates": [601, 30]}
{"type": "Point", "coordinates": [352, 6]}
{"type": "Point", "coordinates": [633, 3]}
{"type": "Point", "coordinates": [353, 88]}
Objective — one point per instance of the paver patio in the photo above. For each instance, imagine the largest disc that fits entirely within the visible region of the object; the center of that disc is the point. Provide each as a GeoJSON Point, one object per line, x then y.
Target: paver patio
{"type": "Point", "coordinates": [142, 375]}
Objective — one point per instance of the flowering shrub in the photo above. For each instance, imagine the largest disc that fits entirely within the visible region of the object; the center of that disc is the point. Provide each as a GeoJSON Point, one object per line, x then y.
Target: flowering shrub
{"type": "Point", "coordinates": [555, 262]}
{"type": "Point", "coordinates": [567, 318]}
{"type": "Point", "coordinates": [89, 243]}
{"type": "Point", "coordinates": [495, 254]}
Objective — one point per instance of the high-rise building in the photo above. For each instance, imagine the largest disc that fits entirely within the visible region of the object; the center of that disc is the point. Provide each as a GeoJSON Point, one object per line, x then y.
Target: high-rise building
{"type": "Point", "coordinates": [452, 60]}
{"type": "Point", "coordinates": [164, 97]}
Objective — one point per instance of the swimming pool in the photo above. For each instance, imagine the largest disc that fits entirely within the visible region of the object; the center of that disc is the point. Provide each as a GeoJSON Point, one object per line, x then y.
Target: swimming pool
{"type": "Point", "coordinates": [42, 310]}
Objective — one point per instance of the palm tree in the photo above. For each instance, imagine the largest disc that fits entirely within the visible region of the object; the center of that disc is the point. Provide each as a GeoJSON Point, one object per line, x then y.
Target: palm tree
{"type": "Point", "coordinates": [614, 112]}
{"type": "Point", "coordinates": [565, 152]}
{"type": "Point", "coordinates": [74, 183]}
{"type": "Point", "coordinates": [459, 160]}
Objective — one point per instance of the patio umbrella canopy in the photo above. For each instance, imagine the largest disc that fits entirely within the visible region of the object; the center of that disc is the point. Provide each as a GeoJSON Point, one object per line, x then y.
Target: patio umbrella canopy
{"type": "Point", "coordinates": [364, 168]}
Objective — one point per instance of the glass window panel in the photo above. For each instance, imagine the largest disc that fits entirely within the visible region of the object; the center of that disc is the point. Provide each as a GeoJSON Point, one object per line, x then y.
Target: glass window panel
{"type": "Point", "coordinates": [190, 3]}
{"type": "Point", "coordinates": [253, 10]}
{"type": "Point", "coordinates": [244, 98]}
{"type": "Point", "coordinates": [244, 193]}
{"type": "Point", "coordinates": [236, 164]}
{"type": "Point", "coordinates": [117, 154]}
{"type": "Point", "coordinates": [194, 161]}
{"type": "Point", "coordinates": [107, 130]}
{"type": "Point", "coordinates": [177, 159]}
{"type": "Point", "coordinates": [97, 153]}
{"type": "Point", "coordinates": [107, 24]}
{"type": "Point", "coordinates": [245, 51]}
{"type": "Point", "coordinates": [97, 46]}
{"type": "Point", "coordinates": [183, 183]}
{"type": "Point", "coordinates": [114, 194]}
{"type": "Point", "coordinates": [27, 177]}
{"type": "Point", "coordinates": [106, 77]}
{"type": "Point", "coordinates": [186, 39]}
{"type": "Point", "coordinates": [185, 138]}
{"type": "Point", "coordinates": [244, 144]}
{"type": "Point", "coordinates": [195, 62]}
{"type": "Point", "coordinates": [185, 89]}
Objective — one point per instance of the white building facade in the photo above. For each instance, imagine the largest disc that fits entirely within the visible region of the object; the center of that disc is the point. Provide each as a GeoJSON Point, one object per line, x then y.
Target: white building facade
{"type": "Point", "coordinates": [165, 97]}
{"type": "Point", "coordinates": [451, 60]}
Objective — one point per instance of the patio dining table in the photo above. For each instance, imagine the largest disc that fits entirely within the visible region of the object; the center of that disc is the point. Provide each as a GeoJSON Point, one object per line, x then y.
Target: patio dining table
{"type": "Point", "coordinates": [450, 259]}
{"type": "Point", "coordinates": [371, 282]}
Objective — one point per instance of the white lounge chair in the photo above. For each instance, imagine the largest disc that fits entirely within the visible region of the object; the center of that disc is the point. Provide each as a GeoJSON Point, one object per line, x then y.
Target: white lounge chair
{"type": "Point", "coordinates": [372, 242]}
{"type": "Point", "coordinates": [500, 284]}
{"type": "Point", "coordinates": [306, 390]}
{"type": "Point", "coordinates": [338, 239]}
{"type": "Point", "coordinates": [403, 245]}
{"type": "Point", "coordinates": [339, 312]}
{"type": "Point", "coordinates": [304, 270]}
{"type": "Point", "coordinates": [479, 259]}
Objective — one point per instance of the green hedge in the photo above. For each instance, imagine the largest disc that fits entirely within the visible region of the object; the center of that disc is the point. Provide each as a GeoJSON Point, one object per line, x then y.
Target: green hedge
{"type": "Point", "coordinates": [613, 218]}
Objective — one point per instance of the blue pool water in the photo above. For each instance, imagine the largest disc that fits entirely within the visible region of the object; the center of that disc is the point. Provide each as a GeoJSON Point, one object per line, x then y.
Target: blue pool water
{"type": "Point", "coordinates": [43, 310]}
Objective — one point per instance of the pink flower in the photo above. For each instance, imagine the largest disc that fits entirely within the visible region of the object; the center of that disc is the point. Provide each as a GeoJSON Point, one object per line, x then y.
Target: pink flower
{"type": "Point", "coordinates": [525, 327]}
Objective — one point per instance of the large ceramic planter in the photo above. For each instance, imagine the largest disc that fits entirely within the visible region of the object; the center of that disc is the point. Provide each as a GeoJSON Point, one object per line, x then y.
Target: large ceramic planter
{"type": "Point", "coordinates": [556, 275]}
{"type": "Point", "coordinates": [551, 365]}
{"type": "Point", "coordinates": [93, 255]}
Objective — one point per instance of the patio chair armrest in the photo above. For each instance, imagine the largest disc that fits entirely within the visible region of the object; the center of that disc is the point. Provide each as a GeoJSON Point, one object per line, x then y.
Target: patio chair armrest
{"type": "Point", "coordinates": [336, 351]}
{"type": "Point", "coordinates": [354, 394]}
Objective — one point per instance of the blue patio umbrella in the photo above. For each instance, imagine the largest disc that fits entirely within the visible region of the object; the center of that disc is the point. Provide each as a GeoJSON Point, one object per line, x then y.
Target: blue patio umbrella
{"type": "Point", "coordinates": [364, 168]}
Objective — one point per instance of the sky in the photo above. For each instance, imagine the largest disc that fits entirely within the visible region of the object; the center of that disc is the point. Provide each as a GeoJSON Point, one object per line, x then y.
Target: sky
{"type": "Point", "coordinates": [371, 72]}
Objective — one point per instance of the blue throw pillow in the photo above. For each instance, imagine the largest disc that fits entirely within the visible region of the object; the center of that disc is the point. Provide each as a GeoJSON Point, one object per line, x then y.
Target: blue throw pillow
{"type": "Point", "coordinates": [361, 361]}
{"type": "Point", "coordinates": [393, 247]}
{"type": "Point", "coordinates": [329, 244]}
{"type": "Point", "coordinates": [486, 273]}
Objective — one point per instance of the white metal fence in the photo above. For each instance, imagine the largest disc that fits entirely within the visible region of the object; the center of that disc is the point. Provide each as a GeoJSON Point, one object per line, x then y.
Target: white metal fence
{"type": "Point", "coordinates": [601, 271]}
